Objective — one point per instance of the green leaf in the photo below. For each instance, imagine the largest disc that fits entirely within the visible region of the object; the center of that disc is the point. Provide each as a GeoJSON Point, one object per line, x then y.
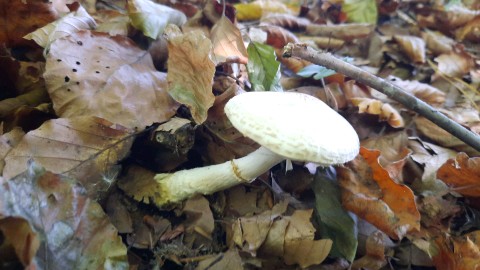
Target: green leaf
{"type": "Point", "coordinates": [263, 68]}
{"type": "Point", "coordinates": [361, 11]}
{"type": "Point", "coordinates": [318, 72]}
{"type": "Point", "coordinates": [335, 222]}
{"type": "Point", "coordinates": [152, 18]}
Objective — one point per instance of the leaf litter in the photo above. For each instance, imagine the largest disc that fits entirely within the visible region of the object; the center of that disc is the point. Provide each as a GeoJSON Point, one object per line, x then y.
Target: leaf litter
{"type": "Point", "coordinates": [96, 94]}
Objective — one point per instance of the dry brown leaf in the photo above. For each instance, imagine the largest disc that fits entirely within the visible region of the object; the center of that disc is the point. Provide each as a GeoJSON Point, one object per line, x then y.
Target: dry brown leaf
{"type": "Point", "coordinates": [7, 142]}
{"type": "Point", "coordinates": [437, 42]}
{"type": "Point", "coordinates": [65, 26]}
{"type": "Point", "coordinates": [413, 47]}
{"type": "Point", "coordinates": [345, 32]}
{"type": "Point", "coordinates": [112, 22]}
{"type": "Point", "coordinates": [76, 232]}
{"type": "Point", "coordinates": [441, 137]}
{"type": "Point", "coordinates": [455, 64]}
{"type": "Point", "coordinates": [22, 17]}
{"type": "Point", "coordinates": [384, 111]}
{"type": "Point", "coordinates": [287, 21]}
{"type": "Point", "coordinates": [374, 258]}
{"type": "Point", "coordinates": [423, 91]}
{"type": "Point", "coordinates": [278, 37]}
{"type": "Point", "coordinates": [19, 235]}
{"type": "Point", "coordinates": [300, 246]}
{"type": "Point", "coordinates": [471, 31]}
{"type": "Point", "coordinates": [230, 260]}
{"type": "Point", "coordinates": [459, 253]}
{"type": "Point", "coordinates": [462, 174]}
{"type": "Point", "coordinates": [369, 192]}
{"type": "Point", "coordinates": [199, 217]}
{"type": "Point", "coordinates": [139, 184]}
{"type": "Point", "coordinates": [83, 147]}
{"type": "Point", "coordinates": [93, 74]}
{"type": "Point", "coordinates": [227, 42]}
{"type": "Point", "coordinates": [326, 43]}
{"type": "Point", "coordinates": [190, 70]}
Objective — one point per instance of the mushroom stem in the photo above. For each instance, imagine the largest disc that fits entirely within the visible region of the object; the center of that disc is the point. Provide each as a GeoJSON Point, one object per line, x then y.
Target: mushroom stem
{"type": "Point", "coordinates": [181, 185]}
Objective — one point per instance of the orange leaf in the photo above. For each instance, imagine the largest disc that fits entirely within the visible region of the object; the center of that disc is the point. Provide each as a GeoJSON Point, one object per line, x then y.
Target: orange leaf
{"type": "Point", "coordinates": [462, 174]}
{"type": "Point", "coordinates": [383, 202]}
{"type": "Point", "coordinates": [459, 253]}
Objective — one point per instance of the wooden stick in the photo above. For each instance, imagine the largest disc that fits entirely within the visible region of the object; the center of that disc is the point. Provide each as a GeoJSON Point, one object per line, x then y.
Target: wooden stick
{"type": "Point", "coordinates": [394, 92]}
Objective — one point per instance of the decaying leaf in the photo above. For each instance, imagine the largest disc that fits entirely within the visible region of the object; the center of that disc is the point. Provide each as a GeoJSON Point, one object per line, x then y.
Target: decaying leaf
{"type": "Point", "coordinates": [287, 21]}
{"type": "Point", "coordinates": [278, 37]}
{"type": "Point", "coordinates": [190, 70]}
{"type": "Point", "coordinates": [414, 47]}
{"type": "Point", "coordinates": [229, 260]}
{"type": "Point", "coordinates": [227, 42]}
{"type": "Point", "coordinates": [152, 18]}
{"type": "Point", "coordinates": [289, 237]}
{"type": "Point", "coordinates": [22, 17]}
{"type": "Point", "coordinates": [470, 31]}
{"type": "Point", "coordinates": [423, 91]}
{"type": "Point", "coordinates": [7, 142]}
{"type": "Point", "coordinates": [455, 64]}
{"type": "Point", "coordinates": [77, 233]}
{"type": "Point", "coordinates": [345, 32]}
{"type": "Point", "coordinates": [462, 174]}
{"type": "Point", "coordinates": [72, 22]}
{"type": "Point", "coordinates": [437, 42]}
{"type": "Point", "coordinates": [369, 192]}
{"type": "Point", "coordinates": [199, 223]}
{"type": "Point", "coordinates": [19, 236]}
{"type": "Point", "coordinates": [460, 253]}
{"type": "Point", "coordinates": [84, 147]}
{"type": "Point", "coordinates": [384, 110]}
{"type": "Point", "coordinates": [94, 74]}
{"type": "Point", "coordinates": [374, 258]}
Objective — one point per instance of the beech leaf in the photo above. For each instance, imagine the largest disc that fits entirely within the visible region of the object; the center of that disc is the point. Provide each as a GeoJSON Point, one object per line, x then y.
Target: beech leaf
{"type": "Point", "coordinates": [228, 43]}
{"type": "Point", "coordinates": [84, 147]}
{"type": "Point", "coordinates": [190, 70]}
{"type": "Point", "coordinates": [72, 22]}
{"type": "Point", "coordinates": [152, 18]}
{"type": "Point", "coordinates": [94, 74]}
{"type": "Point", "coordinates": [369, 192]}
{"type": "Point", "coordinates": [462, 174]}
{"type": "Point", "coordinates": [263, 68]}
{"type": "Point", "coordinates": [76, 233]}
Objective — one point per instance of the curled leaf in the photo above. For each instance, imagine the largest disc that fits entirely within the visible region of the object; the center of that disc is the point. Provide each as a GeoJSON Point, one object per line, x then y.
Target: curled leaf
{"type": "Point", "coordinates": [384, 110]}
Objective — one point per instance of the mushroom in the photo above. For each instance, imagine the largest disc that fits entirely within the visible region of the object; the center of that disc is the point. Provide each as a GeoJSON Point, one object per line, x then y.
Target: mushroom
{"type": "Point", "coordinates": [287, 126]}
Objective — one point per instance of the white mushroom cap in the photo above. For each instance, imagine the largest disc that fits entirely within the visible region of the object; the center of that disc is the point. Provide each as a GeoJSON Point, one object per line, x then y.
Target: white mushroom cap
{"type": "Point", "coordinates": [294, 125]}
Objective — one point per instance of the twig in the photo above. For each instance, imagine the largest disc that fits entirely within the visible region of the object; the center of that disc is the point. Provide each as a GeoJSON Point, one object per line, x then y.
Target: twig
{"type": "Point", "coordinates": [392, 91]}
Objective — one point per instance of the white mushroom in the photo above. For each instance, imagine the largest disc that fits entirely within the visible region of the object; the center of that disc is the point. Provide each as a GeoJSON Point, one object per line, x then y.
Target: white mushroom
{"type": "Point", "coordinates": [286, 125]}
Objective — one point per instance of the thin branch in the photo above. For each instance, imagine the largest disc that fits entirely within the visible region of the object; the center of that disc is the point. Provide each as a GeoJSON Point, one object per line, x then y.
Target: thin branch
{"type": "Point", "coordinates": [392, 91]}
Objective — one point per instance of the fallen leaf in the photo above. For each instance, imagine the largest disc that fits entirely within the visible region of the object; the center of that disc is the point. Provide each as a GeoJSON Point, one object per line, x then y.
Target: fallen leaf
{"type": "Point", "coordinates": [76, 231]}
{"type": "Point", "coordinates": [462, 174]}
{"type": "Point", "coordinates": [455, 64]}
{"type": "Point", "coordinates": [256, 9]}
{"type": "Point", "coordinates": [263, 68]}
{"type": "Point", "coordinates": [190, 71]}
{"type": "Point", "coordinates": [199, 217]}
{"type": "Point", "coordinates": [278, 37]}
{"type": "Point", "coordinates": [459, 253]}
{"type": "Point", "coordinates": [361, 11]}
{"type": "Point", "coordinates": [230, 260]}
{"type": "Point", "coordinates": [286, 21]}
{"type": "Point", "coordinates": [22, 17]}
{"type": "Point", "coordinates": [369, 192]}
{"type": "Point", "coordinates": [470, 31]}
{"type": "Point", "coordinates": [300, 248]}
{"type": "Point", "coordinates": [65, 26]}
{"type": "Point", "coordinates": [374, 258]}
{"type": "Point", "coordinates": [227, 42]}
{"type": "Point", "coordinates": [152, 18]}
{"type": "Point", "coordinates": [437, 42]}
{"type": "Point", "coordinates": [18, 233]}
{"type": "Point", "coordinates": [86, 148]}
{"type": "Point", "coordinates": [345, 32]}
{"type": "Point", "coordinates": [384, 110]}
{"type": "Point", "coordinates": [8, 141]}
{"type": "Point", "coordinates": [413, 47]}
{"type": "Point", "coordinates": [112, 22]}
{"type": "Point", "coordinates": [423, 91]}
{"type": "Point", "coordinates": [335, 222]}
{"type": "Point", "coordinates": [93, 74]}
